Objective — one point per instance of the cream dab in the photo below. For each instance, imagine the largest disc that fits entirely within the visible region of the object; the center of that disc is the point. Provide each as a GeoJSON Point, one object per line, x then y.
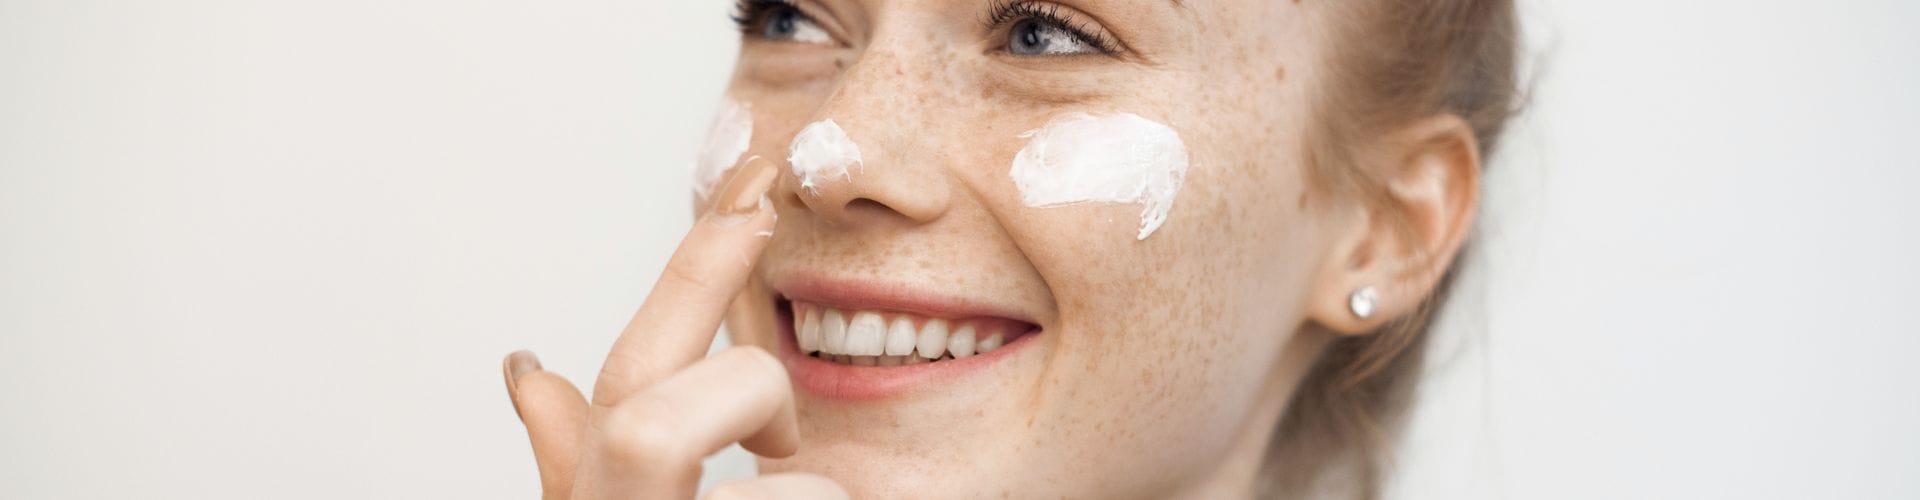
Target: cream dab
{"type": "Point", "coordinates": [727, 139]}
{"type": "Point", "coordinates": [1118, 158]}
{"type": "Point", "coordinates": [821, 152]}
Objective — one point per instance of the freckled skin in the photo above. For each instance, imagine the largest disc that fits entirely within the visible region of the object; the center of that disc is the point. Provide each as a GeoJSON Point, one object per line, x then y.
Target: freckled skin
{"type": "Point", "coordinates": [1164, 363]}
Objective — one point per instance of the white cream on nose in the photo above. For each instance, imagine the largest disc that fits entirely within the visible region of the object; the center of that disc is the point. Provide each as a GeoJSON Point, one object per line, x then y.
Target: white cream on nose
{"type": "Point", "coordinates": [820, 152]}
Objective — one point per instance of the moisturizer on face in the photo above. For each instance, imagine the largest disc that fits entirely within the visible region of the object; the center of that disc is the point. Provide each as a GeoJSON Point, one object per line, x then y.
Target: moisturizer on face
{"type": "Point", "coordinates": [821, 152]}
{"type": "Point", "coordinates": [1118, 158]}
{"type": "Point", "coordinates": [727, 139]}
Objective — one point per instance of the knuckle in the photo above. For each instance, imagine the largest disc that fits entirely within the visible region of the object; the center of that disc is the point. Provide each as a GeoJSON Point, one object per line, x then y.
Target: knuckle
{"type": "Point", "coordinates": [642, 435]}
{"type": "Point", "coordinates": [757, 370]}
{"type": "Point", "coordinates": [757, 361]}
{"type": "Point", "coordinates": [730, 491]}
{"type": "Point", "coordinates": [620, 376]}
{"type": "Point", "coordinates": [690, 273]}
{"type": "Point", "coordinates": [611, 384]}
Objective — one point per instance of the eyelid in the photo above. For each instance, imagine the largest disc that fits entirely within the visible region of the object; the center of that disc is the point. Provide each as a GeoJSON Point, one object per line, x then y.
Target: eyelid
{"type": "Point", "coordinates": [1002, 15]}
{"type": "Point", "coordinates": [820, 16]}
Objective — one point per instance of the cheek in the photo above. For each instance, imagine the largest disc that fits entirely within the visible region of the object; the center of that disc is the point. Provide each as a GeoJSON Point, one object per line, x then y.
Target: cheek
{"type": "Point", "coordinates": [1120, 158]}
{"type": "Point", "coordinates": [1169, 342]}
{"type": "Point", "coordinates": [1169, 363]}
{"type": "Point", "coordinates": [728, 137]}
{"type": "Point", "coordinates": [1172, 351]}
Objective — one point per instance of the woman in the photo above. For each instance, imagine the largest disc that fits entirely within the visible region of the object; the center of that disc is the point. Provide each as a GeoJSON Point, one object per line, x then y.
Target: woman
{"type": "Point", "coordinates": [929, 260]}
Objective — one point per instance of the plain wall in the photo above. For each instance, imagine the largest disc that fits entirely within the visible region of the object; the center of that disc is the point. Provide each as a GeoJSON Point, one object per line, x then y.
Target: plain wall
{"type": "Point", "coordinates": [277, 249]}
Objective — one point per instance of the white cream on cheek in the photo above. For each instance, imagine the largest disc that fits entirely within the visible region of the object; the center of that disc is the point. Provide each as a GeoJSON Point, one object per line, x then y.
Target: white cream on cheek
{"type": "Point", "coordinates": [727, 139]}
{"type": "Point", "coordinates": [821, 152]}
{"type": "Point", "coordinates": [1118, 158]}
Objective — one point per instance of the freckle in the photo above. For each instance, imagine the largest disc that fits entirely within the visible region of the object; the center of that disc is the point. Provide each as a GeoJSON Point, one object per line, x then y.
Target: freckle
{"type": "Point", "coordinates": [1303, 201]}
{"type": "Point", "coordinates": [839, 64]}
{"type": "Point", "coordinates": [1280, 73]}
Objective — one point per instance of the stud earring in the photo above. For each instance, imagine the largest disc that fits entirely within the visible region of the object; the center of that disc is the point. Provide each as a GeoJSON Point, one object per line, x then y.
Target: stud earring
{"type": "Point", "coordinates": [1363, 301]}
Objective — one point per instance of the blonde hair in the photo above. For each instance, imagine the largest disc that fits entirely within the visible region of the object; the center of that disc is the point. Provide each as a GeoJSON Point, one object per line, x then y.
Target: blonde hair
{"type": "Point", "coordinates": [1389, 63]}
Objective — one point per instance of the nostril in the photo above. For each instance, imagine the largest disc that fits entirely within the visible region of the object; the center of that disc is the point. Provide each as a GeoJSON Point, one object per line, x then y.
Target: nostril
{"type": "Point", "coordinates": [863, 206]}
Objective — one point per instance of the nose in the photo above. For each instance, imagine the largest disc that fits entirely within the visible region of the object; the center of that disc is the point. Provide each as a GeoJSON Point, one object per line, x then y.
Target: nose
{"type": "Point", "coordinates": [900, 175]}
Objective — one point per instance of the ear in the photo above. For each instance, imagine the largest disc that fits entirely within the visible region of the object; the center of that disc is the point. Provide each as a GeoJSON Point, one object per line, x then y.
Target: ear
{"type": "Point", "coordinates": [1404, 233]}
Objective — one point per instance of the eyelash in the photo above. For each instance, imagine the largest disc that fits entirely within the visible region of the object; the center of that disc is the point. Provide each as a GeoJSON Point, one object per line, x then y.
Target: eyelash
{"type": "Point", "coordinates": [1007, 12]}
{"type": "Point", "coordinates": [749, 14]}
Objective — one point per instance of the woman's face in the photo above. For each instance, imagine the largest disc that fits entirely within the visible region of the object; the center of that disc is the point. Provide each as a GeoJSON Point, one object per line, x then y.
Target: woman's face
{"type": "Point", "coordinates": [1130, 367]}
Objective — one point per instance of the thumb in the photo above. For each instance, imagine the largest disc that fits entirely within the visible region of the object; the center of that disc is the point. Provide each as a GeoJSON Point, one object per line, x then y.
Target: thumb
{"type": "Point", "coordinates": [555, 415]}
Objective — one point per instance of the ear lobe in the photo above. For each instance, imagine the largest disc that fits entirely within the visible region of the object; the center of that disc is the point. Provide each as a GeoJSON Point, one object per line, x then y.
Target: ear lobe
{"type": "Point", "coordinates": [1407, 233]}
{"type": "Point", "coordinates": [1356, 273]}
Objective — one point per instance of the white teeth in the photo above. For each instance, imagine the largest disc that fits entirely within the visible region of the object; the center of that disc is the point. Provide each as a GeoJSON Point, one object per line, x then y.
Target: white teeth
{"type": "Point", "coordinates": [808, 332]}
{"type": "Point", "coordinates": [990, 343]}
{"type": "Point", "coordinates": [833, 332]}
{"type": "Point", "coordinates": [900, 337]}
{"type": "Point", "coordinates": [867, 335]}
{"type": "Point", "coordinates": [799, 331]}
{"type": "Point", "coordinates": [868, 338]}
{"type": "Point", "coordinates": [961, 344]}
{"type": "Point", "coordinates": [933, 339]}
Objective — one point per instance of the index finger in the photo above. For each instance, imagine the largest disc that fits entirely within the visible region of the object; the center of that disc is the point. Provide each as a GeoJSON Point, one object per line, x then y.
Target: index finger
{"type": "Point", "coordinates": [677, 321]}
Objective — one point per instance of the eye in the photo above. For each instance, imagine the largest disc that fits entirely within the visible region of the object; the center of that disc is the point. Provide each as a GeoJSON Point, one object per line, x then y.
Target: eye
{"type": "Point", "coordinates": [1040, 29]}
{"type": "Point", "coordinates": [779, 21]}
{"type": "Point", "coordinates": [1037, 37]}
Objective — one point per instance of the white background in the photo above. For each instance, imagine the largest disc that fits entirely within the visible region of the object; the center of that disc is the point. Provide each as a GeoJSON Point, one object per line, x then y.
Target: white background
{"type": "Point", "coordinates": [277, 249]}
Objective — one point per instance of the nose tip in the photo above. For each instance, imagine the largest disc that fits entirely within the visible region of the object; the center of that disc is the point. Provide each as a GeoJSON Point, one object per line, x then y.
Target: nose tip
{"type": "Point", "coordinates": [822, 152]}
{"type": "Point", "coordinates": [833, 177]}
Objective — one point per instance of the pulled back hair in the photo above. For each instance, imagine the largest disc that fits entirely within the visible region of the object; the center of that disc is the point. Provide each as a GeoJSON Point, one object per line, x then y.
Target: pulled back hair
{"type": "Point", "coordinates": [1388, 64]}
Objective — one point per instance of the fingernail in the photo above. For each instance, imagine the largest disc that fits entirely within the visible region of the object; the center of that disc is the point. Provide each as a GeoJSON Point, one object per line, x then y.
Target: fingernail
{"type": "Point", "coordinates": [519, 364]}
{"type": "Point", "coordinates": [747, 188]}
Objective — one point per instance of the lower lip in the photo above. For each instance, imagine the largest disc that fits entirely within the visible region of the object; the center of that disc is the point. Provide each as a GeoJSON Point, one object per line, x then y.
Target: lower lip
{"type": "Point", "coordinates": [831, 380]}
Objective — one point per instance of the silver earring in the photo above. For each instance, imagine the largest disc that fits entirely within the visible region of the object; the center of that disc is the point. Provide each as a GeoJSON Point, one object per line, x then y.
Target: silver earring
{"type": "Point", "coordinates": [1362, 302]}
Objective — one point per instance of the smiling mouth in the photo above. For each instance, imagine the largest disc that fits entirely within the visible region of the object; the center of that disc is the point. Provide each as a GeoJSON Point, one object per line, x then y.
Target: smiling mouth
{"type": "Point", "coordinates": [881, 338]}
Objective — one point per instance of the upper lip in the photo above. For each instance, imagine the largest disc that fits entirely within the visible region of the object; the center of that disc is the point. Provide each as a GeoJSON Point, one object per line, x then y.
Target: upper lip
{"type": "Point", "coordinates": [858, 294]}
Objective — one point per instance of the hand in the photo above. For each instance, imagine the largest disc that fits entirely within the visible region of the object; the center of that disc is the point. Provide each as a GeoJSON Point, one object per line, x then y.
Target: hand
{"type": "Point", "coordinates": [658, 407]}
